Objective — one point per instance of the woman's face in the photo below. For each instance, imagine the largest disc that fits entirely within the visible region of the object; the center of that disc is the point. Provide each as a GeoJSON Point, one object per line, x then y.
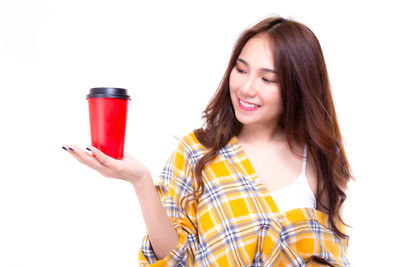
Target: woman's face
{"type": "Point", "coordinates": [254, 92]}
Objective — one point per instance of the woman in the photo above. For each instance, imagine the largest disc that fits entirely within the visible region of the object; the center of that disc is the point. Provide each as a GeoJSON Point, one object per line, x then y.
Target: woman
{"type": "Point", "coordinates": [263, 181]}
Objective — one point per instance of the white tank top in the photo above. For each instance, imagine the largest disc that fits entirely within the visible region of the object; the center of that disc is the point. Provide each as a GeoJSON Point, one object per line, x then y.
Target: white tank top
{"type": "Point", "coordinates": [296, 195]}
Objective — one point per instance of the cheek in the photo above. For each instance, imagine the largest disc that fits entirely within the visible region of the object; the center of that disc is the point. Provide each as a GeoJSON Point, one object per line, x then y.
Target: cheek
{"type": "Point", "coordinates": [272, 95]}
{"type": "Point", "coordinates": [233, 81]}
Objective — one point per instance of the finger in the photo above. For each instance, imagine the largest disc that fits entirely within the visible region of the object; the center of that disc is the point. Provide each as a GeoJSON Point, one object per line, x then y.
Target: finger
{"type": "Point", "coordinates": [101, 157]}
{"type": "Point", "coordinates": [77, 153]}
{"type": "Point", "coordinates": [85, 158]}
{"type": "Point", "coordinates": [67, 147]}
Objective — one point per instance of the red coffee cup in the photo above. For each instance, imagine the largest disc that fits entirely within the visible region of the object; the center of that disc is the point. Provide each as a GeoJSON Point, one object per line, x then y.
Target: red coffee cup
{"type": "Point", "coordinates": [108, 110]}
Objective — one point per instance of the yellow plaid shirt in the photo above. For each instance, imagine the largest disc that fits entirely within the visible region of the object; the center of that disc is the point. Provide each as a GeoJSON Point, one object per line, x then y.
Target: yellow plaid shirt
{"type": "Point", "coordinates": [236, 222]}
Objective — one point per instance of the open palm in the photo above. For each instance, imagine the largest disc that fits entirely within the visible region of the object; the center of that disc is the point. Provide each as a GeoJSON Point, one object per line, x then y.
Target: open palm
{"type": "Point", "coordinates": [127, 168]}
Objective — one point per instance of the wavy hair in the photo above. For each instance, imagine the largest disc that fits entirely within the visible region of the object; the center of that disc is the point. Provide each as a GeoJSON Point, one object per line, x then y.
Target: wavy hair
{"type": "Point", "coordinates": [309, 115]}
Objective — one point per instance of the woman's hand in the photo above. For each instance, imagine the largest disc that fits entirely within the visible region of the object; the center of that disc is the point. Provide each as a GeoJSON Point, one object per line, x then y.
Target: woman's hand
{"type": "Point", "coordinates": [128, 168]}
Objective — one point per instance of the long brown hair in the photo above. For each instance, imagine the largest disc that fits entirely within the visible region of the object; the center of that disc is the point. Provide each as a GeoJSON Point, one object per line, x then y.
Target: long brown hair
{"type": "Point", "coordinates": [309, 116]}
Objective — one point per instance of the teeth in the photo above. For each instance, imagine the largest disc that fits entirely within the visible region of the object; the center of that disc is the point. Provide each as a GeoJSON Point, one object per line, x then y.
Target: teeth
{"type": "Point", "coordinates": [248, 105]}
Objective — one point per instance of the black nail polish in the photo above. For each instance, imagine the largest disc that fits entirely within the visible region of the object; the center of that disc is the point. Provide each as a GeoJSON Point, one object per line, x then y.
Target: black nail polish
{"type": "Point", "coordinates": [71, 149]}
{"type": "Point", "coordinates": [64, 148]}
{"type": "Point", "coordinates": [88, 149]}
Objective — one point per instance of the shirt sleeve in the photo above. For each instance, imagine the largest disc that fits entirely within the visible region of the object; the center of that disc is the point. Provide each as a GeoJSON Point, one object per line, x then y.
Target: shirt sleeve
{"type": "Point", "coordinates": [175, 182]}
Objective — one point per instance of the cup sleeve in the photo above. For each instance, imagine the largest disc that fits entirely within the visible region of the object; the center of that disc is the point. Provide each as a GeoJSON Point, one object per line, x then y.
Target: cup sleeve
{"type": "Point", "coordinates": [175, 182]}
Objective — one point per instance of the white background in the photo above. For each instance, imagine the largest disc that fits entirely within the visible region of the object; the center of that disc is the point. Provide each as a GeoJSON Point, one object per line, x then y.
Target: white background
{"type": "Point", "coordinates": [171, 56]}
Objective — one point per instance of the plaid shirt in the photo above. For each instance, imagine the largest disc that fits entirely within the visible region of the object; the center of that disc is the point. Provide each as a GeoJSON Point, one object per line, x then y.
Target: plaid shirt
{"type": "Point", "coordinates": [236, 222]}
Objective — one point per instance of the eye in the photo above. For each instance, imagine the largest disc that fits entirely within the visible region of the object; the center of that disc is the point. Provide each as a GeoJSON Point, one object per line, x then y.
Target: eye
{"type": "Point", "coordinates": [268, 80]}
{"type": "Point", "coordinates": [239, 70]}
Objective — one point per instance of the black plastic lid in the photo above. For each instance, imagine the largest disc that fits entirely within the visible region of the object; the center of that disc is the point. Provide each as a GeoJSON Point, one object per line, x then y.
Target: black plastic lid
{"type": "Point", "coordinates": [109, 92]}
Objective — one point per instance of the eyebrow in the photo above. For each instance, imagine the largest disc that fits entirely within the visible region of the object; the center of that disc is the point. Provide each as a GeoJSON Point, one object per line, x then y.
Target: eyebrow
{"type": "Point", "coordinates": [263, 69]}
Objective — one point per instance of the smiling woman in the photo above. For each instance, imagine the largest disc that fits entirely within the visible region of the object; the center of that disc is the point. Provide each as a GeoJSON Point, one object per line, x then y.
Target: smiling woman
{"type": "Point", "coordinates": [263, 181]}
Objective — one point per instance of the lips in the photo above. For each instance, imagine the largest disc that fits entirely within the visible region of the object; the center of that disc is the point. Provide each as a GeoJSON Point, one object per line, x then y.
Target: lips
{"type": "Point", "coordinates": [247, 105]}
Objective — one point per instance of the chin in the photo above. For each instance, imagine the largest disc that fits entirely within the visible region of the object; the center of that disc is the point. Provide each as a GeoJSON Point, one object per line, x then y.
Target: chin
{"type": "Point", "coordinates": [245, 121]}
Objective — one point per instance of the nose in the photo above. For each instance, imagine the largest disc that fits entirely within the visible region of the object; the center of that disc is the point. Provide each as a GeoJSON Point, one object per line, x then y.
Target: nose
{"type": "Point", "coordinates": [248, 87]}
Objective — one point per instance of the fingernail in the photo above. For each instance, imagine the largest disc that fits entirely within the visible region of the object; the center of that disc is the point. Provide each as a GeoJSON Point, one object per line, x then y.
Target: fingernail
{"type": "Point", "coordinates": [88, 149]}
{"type": "Point", "coordinates": [71, 149]}
{"type": "Point", "coordinates": [65, 149]}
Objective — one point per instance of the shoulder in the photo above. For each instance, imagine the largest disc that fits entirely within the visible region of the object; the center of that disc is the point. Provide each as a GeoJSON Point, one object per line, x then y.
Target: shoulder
{"type": "Point", "coordinates": [191, 148]}
{"type": "Point", "coordinates": [189, 140]}
{"type": "Point", "coordinates": [178, 170]}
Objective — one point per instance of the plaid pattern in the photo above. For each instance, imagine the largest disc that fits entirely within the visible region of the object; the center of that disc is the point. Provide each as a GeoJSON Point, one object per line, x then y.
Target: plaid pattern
{"type": "Point", "coordinates": [236, 222]}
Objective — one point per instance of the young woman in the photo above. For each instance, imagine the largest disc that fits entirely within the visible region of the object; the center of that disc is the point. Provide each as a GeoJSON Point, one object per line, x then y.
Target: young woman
{"type": "Point", "coordinates": [263, 181]}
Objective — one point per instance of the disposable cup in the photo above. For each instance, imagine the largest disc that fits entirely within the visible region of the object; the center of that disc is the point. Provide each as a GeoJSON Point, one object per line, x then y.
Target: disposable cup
{"type": "Point", "coordinates": [108, 110]}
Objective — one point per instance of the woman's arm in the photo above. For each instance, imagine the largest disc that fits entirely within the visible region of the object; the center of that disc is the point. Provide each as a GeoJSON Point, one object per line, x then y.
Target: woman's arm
{"type": "Point", "coordinates": [171, 237]}
{"type": "Point", "coordinates": [162, 234]}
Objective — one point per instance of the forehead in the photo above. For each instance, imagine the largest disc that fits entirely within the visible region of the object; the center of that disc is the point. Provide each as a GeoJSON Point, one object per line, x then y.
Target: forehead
{"type": "Point", "coordinates": [258, 52]}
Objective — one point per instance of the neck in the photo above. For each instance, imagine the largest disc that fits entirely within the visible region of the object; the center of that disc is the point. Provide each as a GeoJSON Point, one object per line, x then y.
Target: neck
{"type": "Point", "coordinates": [261, 134]}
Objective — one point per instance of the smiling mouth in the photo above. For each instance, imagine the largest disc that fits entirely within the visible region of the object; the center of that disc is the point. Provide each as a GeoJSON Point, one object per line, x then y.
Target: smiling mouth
{"type": "Point", "coordinates": [248, 105]}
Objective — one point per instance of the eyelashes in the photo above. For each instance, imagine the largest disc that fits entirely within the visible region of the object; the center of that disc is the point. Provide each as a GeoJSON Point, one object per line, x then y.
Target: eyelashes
{"type": "Point", "coordinates": [264, 79]}
{"type": "Point", "coordinates": [267, 80]}
{"type": "Point", "coordinates": [239, 70]}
